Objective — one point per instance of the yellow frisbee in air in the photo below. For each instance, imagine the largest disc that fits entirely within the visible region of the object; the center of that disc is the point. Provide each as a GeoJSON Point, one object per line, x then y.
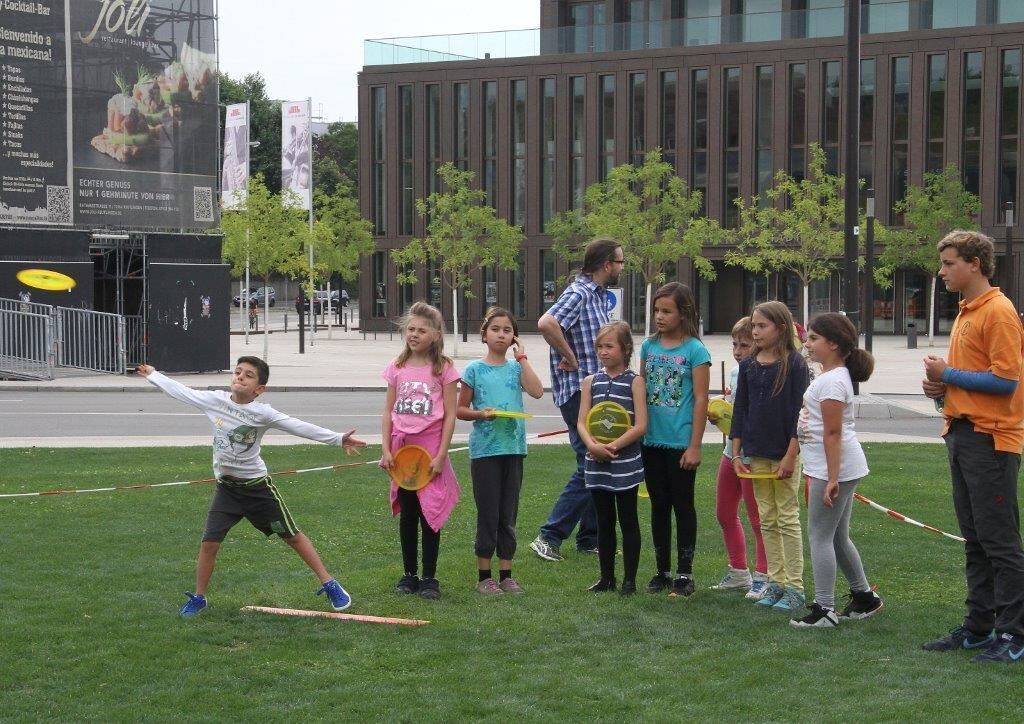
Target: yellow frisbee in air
{"type": "Point", "coordinates": [46, 280]}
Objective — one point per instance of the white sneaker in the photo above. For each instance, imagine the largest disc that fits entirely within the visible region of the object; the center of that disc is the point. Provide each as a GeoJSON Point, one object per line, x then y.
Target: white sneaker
{"type": "Point", "coordinates": [757, 586]}
{"type": "Point", "coordinates": [735, 579]}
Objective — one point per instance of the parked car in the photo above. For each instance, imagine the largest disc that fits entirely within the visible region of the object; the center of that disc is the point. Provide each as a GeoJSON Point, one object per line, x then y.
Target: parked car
{"type": "Point", "coordinates": [320, 300]}
{"type": "Point", "coordinates": [257, 293]}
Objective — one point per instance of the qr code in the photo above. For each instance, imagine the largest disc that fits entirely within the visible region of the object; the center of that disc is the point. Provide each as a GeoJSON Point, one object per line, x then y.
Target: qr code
{"type": "Point", "coordinates": [202, 199]}
{"type": "Point", "coordinates": [58, 204]}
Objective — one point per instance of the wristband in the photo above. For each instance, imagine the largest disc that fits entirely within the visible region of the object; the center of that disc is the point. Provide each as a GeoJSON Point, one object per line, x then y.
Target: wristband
{"type": "Point", "coordinates": [734, 458]}
{"type": "Point", "coordinates": [521, 357]}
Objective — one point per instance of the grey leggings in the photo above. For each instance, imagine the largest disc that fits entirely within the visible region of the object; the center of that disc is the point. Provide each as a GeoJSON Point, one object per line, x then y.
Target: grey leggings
{"type": "Point", "coordinates": [828, 531]}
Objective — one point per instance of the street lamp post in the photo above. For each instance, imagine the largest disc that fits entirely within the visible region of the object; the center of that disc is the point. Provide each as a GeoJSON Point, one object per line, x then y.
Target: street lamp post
{"type": "Point", "coordinates": [869, 273]}
{"type": "Point", "coordinates": [851, 298]}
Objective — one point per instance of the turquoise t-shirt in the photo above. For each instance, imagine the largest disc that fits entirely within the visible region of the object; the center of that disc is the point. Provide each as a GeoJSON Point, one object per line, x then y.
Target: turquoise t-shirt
{"type": "Point", "coordinates": [669, 377]}
{"type": "Point", "coordinates": [500, 388]}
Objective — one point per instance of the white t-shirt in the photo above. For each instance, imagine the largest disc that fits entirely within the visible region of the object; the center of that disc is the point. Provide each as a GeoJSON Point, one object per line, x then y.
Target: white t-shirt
{"type": "Point", "coordinates": [832, 385]}
{"type": "Point", "coordinates": [239, 429]}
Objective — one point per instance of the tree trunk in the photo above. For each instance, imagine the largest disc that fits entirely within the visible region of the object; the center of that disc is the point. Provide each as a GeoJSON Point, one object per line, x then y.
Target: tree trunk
{"type": "Point", "coordinates": [266, 320]}
{"type": "Point", "coordinates": [931, 310]}
{"type": "Point", "coordinates": [243, 301]}
{"type": "Point", "coordinates": [647, 310]}
{"type": "Point", "coordinates": [807, 303]}
{"type": "Point", "coordinates": [455, 322]}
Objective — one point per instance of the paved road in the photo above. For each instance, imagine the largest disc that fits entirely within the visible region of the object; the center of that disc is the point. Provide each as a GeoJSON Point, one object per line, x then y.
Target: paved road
{"type": "Point", "coordinates": [151, 418]}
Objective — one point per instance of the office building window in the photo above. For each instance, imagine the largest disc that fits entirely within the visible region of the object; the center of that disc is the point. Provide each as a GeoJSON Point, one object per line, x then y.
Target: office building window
{"type": "Point", "coordinates": [490, 148]}
{"type": "Point", "coordinates": [406, 206]}
{"type": "Point", "coordinates": [547, 151]}
{"type": "Point", "coordinates": [935, 158]}
{"type": "Point", "coordinates": [699, 133]}
{"type": "Point", "coordinates": [606, 126]}
{"type": "Point", "coordinates": [585, 27]}
{"type": "Point", "coordinates": [434, 281]}
{"type": "Point", "coordinates": [668, 117]}
{"type": "Point", "coordinates": [518, 129]}
{"type": "Point", "coordinates": [519, 287]}
{"type": "Point", "coordinates": [971, 155]}
{"type": "Point", "coordinates": [578, 148]}
{"type": "Point", "coordinates": [798, 120]}
{"type": "Point", "coordinates": [731, 147]}
{"type": "Point", "coordinates": [830, 114]}
{"type": "Point", "coordinates": [406, 292]}
{"type": "Point", "coordinates": [380, 285]}
{"type": "Point", "coordinates": [867, 127]}
{"type": "Point", "coordinates": [433, 137]}
{"type": "Point", "coordinates": [547, 276]}
{"type": "Point", "coordinates": [377, 131]}
{"type": "Point", "coordinates": [461, 125]}
{"type": "Point", "coordinates": [490, 296]}
{"type": "Point", "coordinates": [764, 123]}
{"type": "Point", "coordinates": [637, 117]}
{"type": "Point", "coordinates": [1009, 11]}
{"type": "Point", "coordinates": [900, 133]}
{"type": "Point", "coordinates": [1009, 131]}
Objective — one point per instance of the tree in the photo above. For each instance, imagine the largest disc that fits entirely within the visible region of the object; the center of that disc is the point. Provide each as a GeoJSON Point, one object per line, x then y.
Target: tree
{"type": "Point", "coordinates": [336, 159]}
{"type": "Point", "coordinates": [463, 233]}
{"type": "Point", "coordinates": [342, 235]}
{"type": "Point", "coordinates": [800, 230]}
{"type": "Point", "coordinates": [929, 213]}
{"type": "Point", "coordinates": [264, 125]}
{"type": "Point", "coordinates": [265, 237]}
{"type": "Point", "coordinates": [651, 212]}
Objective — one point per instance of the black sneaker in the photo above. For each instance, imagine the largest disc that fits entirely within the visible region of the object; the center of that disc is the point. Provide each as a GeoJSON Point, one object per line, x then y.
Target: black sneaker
{"type": "Point", "coordinates": [819, 617]}
{"type": "Point", "coordinates": [408, 583]}
{"type": "Point", "coordinates": [603, 585]}
{"type": "Point", "coordinates": [659, 583]}
{"type": "Point", "coordinates": [682, 586]}
{"type": "Point", "coordinates": [960, 638]}
{"type": "Point", "coordinates": [862, 604]}
{"type": "Point", "coordinates": [628, 588]}
{"type": "Point", "coordinates": [430, 589]}
{"type": "Point", "coordinates": [1006, 649]}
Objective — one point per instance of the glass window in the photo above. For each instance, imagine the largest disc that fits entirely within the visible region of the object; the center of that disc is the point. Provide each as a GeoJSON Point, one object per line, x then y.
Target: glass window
{"type": "Point", "coordinates": [936, 121]}
{"type": "Point", "coordinates": [433, 136]}
{"type": "Point", "coordinates": [867, 126]}
{"type": "Point", "coordinates": [406, 292]}
{"type": "Point", "coordinates": [830, 114]}
{"type": "Point", "coordinates": [668, 117]}
{"type": "Point", "coordinates": [380, 288]}
{"type": "Point", "coordinates": [490, 296]}
{"type": "Point", "coordinates": [887, 16]}
{"type": "Point", "coordinates": [1009, 128]}
{"type": "Point", "coordinates": [972, 113]}
{"type": "Point", "coordinates": [731, 149]}
{"type": "Point", "coordinates": [949, 14]}
{"type": "Point", "coordinates": [461, 95]}
{"type": "Point", "coordinates": [578, 123]}
{"type": "Point", "coordinates": [405, 195]}
{"type": "Point", "coordinates": [518, 88]}
{"type": "Point", "coordinates": [547, 275]}
{"type": "Point", "coordinates": [915, 300]}
{"type": "Point", "coordinates": [1009, 11]}
{"type": "Point", "coordinates": [797, 120]}
{"type": "Point", "coordinates": [434, 281]}
{"type": "Point", "coordinates": [519, 287]}
{"type": "Point", "coordinates": [490, 168]}
{"type": "Point", "coordinates": [606, 122]}
{"type": "Point", "coordinates": [637, 117]}
{"type": "Point", "coordinates": [547, 160]}
{"type": "Point", "coordinates": [900, 132]}
{"type": "Point", "coordinates": [884, 304]}
{"type": "Point", "coordinates": [699, 141]}
{"type": "Point", "coordinates": [763, 132]}
{"type": "Point", "coordinates": [819, 297]}
{"type": "Point", "coordinates": [377, 125]}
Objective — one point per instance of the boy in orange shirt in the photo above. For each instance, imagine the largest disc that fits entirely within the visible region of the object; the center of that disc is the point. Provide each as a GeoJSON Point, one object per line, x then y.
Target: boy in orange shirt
{"type": "Point", "coordinates": [983, 405]}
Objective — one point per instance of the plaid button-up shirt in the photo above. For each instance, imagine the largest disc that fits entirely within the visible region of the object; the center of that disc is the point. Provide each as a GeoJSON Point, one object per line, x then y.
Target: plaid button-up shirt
{"type": "Point", "coordinates": [580, 311]}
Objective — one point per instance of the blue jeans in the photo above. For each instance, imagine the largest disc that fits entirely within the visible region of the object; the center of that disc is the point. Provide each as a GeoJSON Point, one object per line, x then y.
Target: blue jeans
{"type": "Point", "coordinates": [575, 504]}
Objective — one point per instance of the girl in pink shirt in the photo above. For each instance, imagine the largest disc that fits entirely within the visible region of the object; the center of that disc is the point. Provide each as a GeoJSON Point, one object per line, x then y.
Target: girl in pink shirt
{"type": "Point", "coordinates": [419, 409]}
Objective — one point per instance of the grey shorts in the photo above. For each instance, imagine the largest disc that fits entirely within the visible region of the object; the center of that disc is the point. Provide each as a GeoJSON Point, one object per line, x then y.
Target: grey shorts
{"type": "Point", "coordinates": [258, 501]}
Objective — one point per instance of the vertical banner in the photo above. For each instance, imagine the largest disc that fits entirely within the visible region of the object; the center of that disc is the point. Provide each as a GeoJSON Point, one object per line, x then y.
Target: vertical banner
{"type": "Point", "coordinates": [235, 176]}
{"type": "Point", "coordinates": [296, 163]}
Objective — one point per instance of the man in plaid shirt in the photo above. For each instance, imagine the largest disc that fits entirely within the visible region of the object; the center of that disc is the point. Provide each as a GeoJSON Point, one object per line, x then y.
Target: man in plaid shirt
{"type": "Point", "coordinates": [570, 328]}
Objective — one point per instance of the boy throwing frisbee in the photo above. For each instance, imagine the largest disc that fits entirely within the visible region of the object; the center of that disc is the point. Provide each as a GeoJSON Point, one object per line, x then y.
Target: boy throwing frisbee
{"type": "Point", "coordinates": [244, 489]}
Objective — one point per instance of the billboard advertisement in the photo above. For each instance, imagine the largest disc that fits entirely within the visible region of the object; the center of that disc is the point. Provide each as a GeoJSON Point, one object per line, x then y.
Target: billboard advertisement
{"type": "Point", "coordinates": [235, 174]}
{"type": "Point", "coordinates": [109, 113]}
{"type": "Point", "coordinates": [296, 164]}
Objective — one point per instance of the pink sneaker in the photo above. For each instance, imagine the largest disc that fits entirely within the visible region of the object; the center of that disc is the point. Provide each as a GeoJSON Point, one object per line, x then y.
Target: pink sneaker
{"type": "Point", "coordinates": [511, 585]}
{"type": "Point", "coordinates": [489, 588]}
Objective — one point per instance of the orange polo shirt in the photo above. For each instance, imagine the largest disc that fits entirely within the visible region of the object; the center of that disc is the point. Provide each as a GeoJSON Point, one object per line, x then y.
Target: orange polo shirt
{"type": "Point", "coordinates": [988, 337]}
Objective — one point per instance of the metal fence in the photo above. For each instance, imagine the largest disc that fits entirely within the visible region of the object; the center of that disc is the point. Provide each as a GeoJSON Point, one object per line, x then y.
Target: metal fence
{"type": "Point", "coordinates": [36, 339]}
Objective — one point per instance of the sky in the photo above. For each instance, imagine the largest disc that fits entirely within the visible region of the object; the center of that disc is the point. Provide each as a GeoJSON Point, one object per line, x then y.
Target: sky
{"type": "Point", "coordinates": [314, 48]}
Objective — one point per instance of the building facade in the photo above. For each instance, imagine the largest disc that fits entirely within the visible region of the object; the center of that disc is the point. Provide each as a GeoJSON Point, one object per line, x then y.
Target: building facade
{"type": "Point", "coordinates": [730, 90]}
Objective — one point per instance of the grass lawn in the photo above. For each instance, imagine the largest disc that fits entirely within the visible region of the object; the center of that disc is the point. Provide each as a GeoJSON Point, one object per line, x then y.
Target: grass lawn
{"type": "Point", "coordinates": [91, 586]}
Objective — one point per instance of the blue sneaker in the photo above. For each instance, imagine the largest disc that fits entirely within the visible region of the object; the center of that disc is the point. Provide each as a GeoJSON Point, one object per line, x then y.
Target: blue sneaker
{"type": "Point", "coordinates": [340, 600]}
{"type": "Point", "coordinates": [771, 595]}
{"type": "Point", "coordinates": [193, 605]}
{"type": "Point", "coordinates": [792, 600]}
{"type": "Point", "coordinates": [1007, 649]}
{"type": "Point", "coordinates": [961, 638]}
{"type": "Point", "coordinates": [757, 586]}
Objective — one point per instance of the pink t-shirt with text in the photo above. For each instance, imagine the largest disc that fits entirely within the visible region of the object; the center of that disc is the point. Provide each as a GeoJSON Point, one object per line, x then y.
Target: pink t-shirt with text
{"type": "Point", "coordinates": [419, 396]}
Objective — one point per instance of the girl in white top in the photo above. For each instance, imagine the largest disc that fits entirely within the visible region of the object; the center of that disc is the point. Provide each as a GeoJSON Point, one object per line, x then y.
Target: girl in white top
{"type": "Point", "coordinates": [834, 463]}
